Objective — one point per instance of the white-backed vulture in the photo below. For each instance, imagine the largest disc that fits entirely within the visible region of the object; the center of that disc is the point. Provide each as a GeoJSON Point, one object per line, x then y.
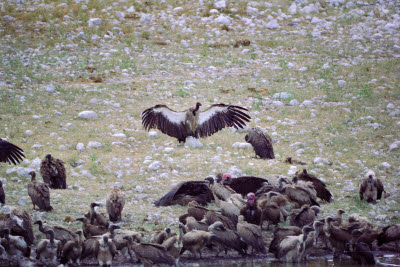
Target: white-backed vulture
{"type": "Point", "coordinates": [371, 188]}
{"type": "Point", "coordinates": [60, 233]}
{"type": "Point", "coordinates": [72, 250]}
{"type": "Point", "coordinates": [20, 223]}
{"type": "Point", "coordinates": [192, 122]}
{"type": "Point", "coordinates": [90, 229]}
{"type": "Point", "coordinates": [10, 153]}
{"type": "Point", "coordinates": [303, 216]}
{"type": "Point", "coordinates": [48, 249]}
{"type": "Point", "coordinates": [291, 248]}
{"type": "Point", "coordinates": [53, 172]}
{"type": "Point", "coordinates": [185, 192]}
{"type": "Point", "coordinates": [243, 184]}
{"type": "Point", "coordinates": [39, 194]}
{"type": "Point", "coordinates": [261, 142]}
{"type": "Point", "coordinates": [251, 212]}
{"type": "Point", "coordinates": [195, 240]}
{"type": "Point", "coordinates": [279, 234]}
{"type": "Point", "coordinates": [390, 233]}
{"type": "Point", "coordinates": [105, 251]}
{"type": "Point", "coordinates": [219, 191]}
{"type": "Point", "coordinates": [322, 192]}
{"type": "Point", "coordinates": [149, 253]}
{"type": "Point", "coordinates": [251, 235]}
{"type": "Point", "coordinates": [229, 238]}
{"type": "Point", "coordinates": [115, 203]}
{"type": "Point", "coordinates": [14, 245]}
{"type": "Point", "coordinates": [121, 244]}
{"type": "Point", "coordinates": [2, 194]}
{"type": "Point", "coordinates": [270, 213]}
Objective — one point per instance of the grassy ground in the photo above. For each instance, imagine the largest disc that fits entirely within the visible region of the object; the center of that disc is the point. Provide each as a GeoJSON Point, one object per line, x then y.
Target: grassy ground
{"type": "Point", "coordinates": [177, 59]}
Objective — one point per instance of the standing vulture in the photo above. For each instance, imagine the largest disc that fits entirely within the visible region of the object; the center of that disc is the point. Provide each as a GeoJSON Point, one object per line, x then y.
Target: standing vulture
{"type": "Point", "coordinates": [53, 172]}
{"type": "Point", "coordinates": [115, 203]}
{"type": "Point", "coordinates": [243, 184]}
{"type": "Point", "coordinates": [2, 194]}
{"type": "Point", "coordinates": [185, 192]}
{"type": "Point", "coordinates": [192, 122]}
{"type": "Point", "coordinates": [10, 153]}
{"type": "Point", "coordinates": [39, 194]}
{"type": "Point", "coordinates": [261, 142]}
{"type": "Point", "coordinates": [371, 188]}
{"type": "Point", "coordinates": [19, 222]}
{"type": "Point", "coordinates": [322, 192]}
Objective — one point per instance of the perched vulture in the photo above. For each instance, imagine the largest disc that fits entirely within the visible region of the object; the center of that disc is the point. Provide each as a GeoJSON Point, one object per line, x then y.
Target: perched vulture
{"type": "Point", "coordinates": [291, 248]}
{"type": "Point", "coordinates": [279, 234]}
{"type": "Point", "coordinates": [303, 216]}
{"type": "Point", "coordinates": [20, 223]}
{"type": "Point", "coordinates": [371, 188]}
{"type": "Point", "coordinates": [72, 250]}
{"type": "Point", "coordinates": [39, 194]}
{"type": "Point", "coordinates": [115, 203]}
{"type": "Point", "coordinates": [322, 192]}
{"type": "Point", "coordinates": [244, 184]}
{"type": "Point", "coordinates": [192, 122]}
{"type": "Point", "coordinates": [261, 142]}
{"type": "Point", "coordinates": [10, 153]}
{"type": "Point", "coordinates": [185, 192]}
{"type": "Point", "coordinates": [105, 251]}
{"type": "Point", "coordinates": [53, 172]}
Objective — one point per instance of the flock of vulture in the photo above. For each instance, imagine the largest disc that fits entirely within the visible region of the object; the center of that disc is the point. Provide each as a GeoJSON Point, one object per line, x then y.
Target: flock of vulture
{"type": "Point", "coordinates": [245, 205]}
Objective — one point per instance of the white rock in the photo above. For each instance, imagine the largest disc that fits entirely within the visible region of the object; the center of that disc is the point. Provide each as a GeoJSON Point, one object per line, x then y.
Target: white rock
{"type": "Point", "coordinates": [20, 171]}
{"type": "Point", "coordinates": [294, 102]}
{"type": "Point", "coordinates": [5, 209]}
{"type": "Point", "coordinates": [35, 164]}
{"type": "Point", "coordinates": [394, 146]}
{"type": "Point", "coordinates": [252, 11]}
{"type": "Point", "coordinates": [292, 9]}
{"type": "Point", "coordinates": [145, 18]}
{"type": "Point", "coordinates": [80, 147]}
{"type": "Point", "coordinates": [28, 133]}
{"type": "Point", "coordinates": [315, 20]}
{"type": "Point", "coordinates": [118, 185]}
{"type": "Point", "coordinates": [341, 83]}
{"type": "Point", "coordinates": [88, 115]}
{"type": "Point", "coordinates": [222, 19]}
{"type": "Point", "coordinates": [235, 172]}
{"type": "Point", "coordinates": [322, 160]}
{"type": "Point", "coordinates": [292, 170]}
{"type": "Point", "coordinates": [62, 147]}
{"type": "Point", "coordinates": [241, 145]}
{"type": "Point", "coordinates": [277, 103]}
{"type": "Point", "coordinates": [93, 101]}
{"type": "Point", "coordinates": [168, 150]}
{"type": "Point", "coordinates": [155, 165]}
{"type": "Point", "coordinates": [139, 189]}
{"type": "Point", "coordinates": [272, 25]}
{"type": "Point", "coordinates": [120, 15]}
{"type": "Point", "coordinates": [214, 12]}
{"type": "Point", "coordinates": [216, 159]}
{"type": "Point", "coordinates": [390, 106]}
{"type": "Point", "coordinates": [300, 151]}
{"type": "Point", "coordinates": [220, 4]}
{"type": "Point", "coordinates": [93, 144]}
{"type": "Point", "coordinates": [306, 103]}
{"type": "Point", "coordinates": [350, 186]}
{"type": "Point", "coordinates": [177, 9]}
{"type": "Point", "coordinates": [130, 10]}
{"type": "Point", "coordinates": [22, 201]}
{"type": "Point", "coordinates": [94, 21]}
{"type": "Point", "coordinates": [8, 18]}
{"type": "Point", "coordinates": [385, 165]}
{"type": "Point", "coordinates": [290, 65]}
{"type": "Point", "coordinates": [192, 142]}
{"type": "Point", "coordinates": [119, 135]}
{"type": "Point", "coordinates": [50, 88]}
{"type": "Point", "coordinates": [152, 134]}
{"type": "Point", "coordinates": [282, 95]}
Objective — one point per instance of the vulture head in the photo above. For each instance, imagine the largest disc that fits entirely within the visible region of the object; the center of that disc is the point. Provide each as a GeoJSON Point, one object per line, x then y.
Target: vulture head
{"type": "Point", "coordinates": [226, 178]}
{"type": "Point", "coordinates": [79, 233]}
{"type": "Point", "coordinates": [370, 176]}
{"type": "Point", "coordinates": [33, 175]}
{"type": "Point", "coordinates": [329, 220]}
{"type": "Point", "coordinates": [306, 230]}
{"type": "Point", "coordinates": [48, 157]}
{"type": "Point", "coordinates": [295, 179]}
{"type": "Point", "coordinates": [340, 212]}
{"type": "Point", "coordinates": [167, 230]}
{"type": "Point", "coordinates": [210, 180]}
{"type": "Point", "coordinates": [283, 180]}
{"type": "Point", "coordinates": [316, 210]}
{"type": "Point", "coordinates": [251, 197]}
{"type": "Point", "coordinates": [105, 239]}
{"type": "Point", "coordinates": [5, 232]}
{"type": "Point", "coordinates": [83, 219]}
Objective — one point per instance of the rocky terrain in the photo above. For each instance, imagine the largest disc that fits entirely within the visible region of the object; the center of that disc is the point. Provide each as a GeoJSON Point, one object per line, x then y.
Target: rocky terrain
{"type": "Point", "coordinates": [321, 77]}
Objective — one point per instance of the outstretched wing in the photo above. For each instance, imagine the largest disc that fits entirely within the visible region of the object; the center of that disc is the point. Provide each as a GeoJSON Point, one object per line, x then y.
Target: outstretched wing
{"type": "Point", "coordinates": [219, 116]}
{"type": "Point", "coordinates": [246, 184]}
{"type": "Point", "coordinates": [166, 120]}
{"type": "Point", "coordinates": [10, 153]}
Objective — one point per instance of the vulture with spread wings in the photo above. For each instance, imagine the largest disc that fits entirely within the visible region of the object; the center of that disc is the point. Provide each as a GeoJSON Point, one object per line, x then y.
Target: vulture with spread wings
{"type": "Point", "coordinates": [192, 122]}
{"type": "Point", "coordinates": [10, 153]}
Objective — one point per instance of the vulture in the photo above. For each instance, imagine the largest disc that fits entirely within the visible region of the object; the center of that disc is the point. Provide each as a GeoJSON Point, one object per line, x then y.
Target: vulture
{"type": "Point", "coordinates": [39, 194]}
{"type": "Point", "coordinates": [261, 142]}
{"type": "Point", "coordinates": [72, 250]}
{"type": "Point", "coordinates": [303, 216]}
{"type": "Point", "coordinates": [105, 251]}
{"type": "Point", "coordinates": [117, 235]}
{"type": "Point", "coordinates": [115, 203]}
{"type": "Point", "coordinates": [291, 248]}
{"type": "Point", "coordinates": [213, 216]}
{"type": "Point", "coordinates": [10, 153]}
{"type": "Point", "coordinates": [95, 217]}
{"type": "Point", "coordinates": [359, 251]}
{"type": "Point", "coordinates": [192, 224]}
{"type": "Point", "coordinates": [14, 245]}
{"type": "Point", "coordinates": [90, 230]}
{"type": "Point", "coordinates": [48, 249]}
{"type": "Point", "coordinates": [279, 234]}
{"type": "Point", "coordinates": [149, 253]}
{"type": "Point", "coordinates": [301, 194]}
{"type": "Point", "coordinates": [196, 211]}
{"type": "Point", "coordinates": [228, 238]}
{"type": "Point", "coordinates": [192, 122]}
{"type": "Point", "coordinates": [169, 245]}
{"type": "Point", "coordinates": [53, 172]}
{"type": "Point", "coordinates": [337, 237]}
{"type": "Point", "coordinates": [338, 218]}
{"type": "Point", "coordinates": [371, 188]}
{"type": "Point", "coordinates": [270, 213]}
{"type": "Point", "coordinates": [195, 240]}
{"type": "Point", "coordinates": [390, 233]}
{"type": "Point", "coordinates": [160, 236]}
{"type": "Point", "coordinates": [60, 233]}
{"type": "Point", "coordinates": [322, 192]}
{"type": "Point", "coordinates": [251, 235]}
{"type": "Point", "coordinates": [244, 184]}
{"type": "Point", "coordinates": [20, 223]}
{"type": "Point", "coordinates": [219, 191]}
{"type": "Point", "coordinates": [251, 212]}
{"type": "Point", "coordinates": [185, 192]}
{"type": "Point", "coordinates": [2, 194]}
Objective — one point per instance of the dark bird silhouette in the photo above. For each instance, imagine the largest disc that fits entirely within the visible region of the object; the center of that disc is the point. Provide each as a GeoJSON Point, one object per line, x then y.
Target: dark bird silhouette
{"type": "Point", "coordinates": [251, 235]}
{"type": "Point", "coordinates": [390, 233]}
{"type": "Point", "coordinates": [243, 184]}
{"type": "Point", "coordinates": [303, 216]}
{"type": "Point", "coordinates": [192, 122]}
{"type": "Point", "coordinates": [95, 217]}
{"type": "Point", "coordinates": [105, 251]}
{"type": "Point", "coordinates": [279, 234]}
{"type": "Point", "coordinates": [359, 251]}
{"type": "Point", "coordinates": [10, 153]}
{"type": "Point", "coordinates": [90, 230]}
{"type": "Point", "coordinates": [229, 238]}
{"type": "Point", "coordinates": [213, 216]}
{"type": "Point", "coordinates": [337, 237]}
{"type": "Point", "coordinates": [261, 142]}
{"type": "Point", "coordinates": [115, 203]}
{"type": "Point", "coordinates": [48, 249]}
{"type": "Point", "coordinates": [195, 240]}
{"type": "Point", "coordinates": [72, 250]}
{"type": "Point", "coordinates": [371, 188]}
{"type": "Point", "coordinates": [2, 194]}
{"type": "Point", "coordinates": [39, 194]}
{"type": "Point", "coordinates": [291, 248]}
{"type": "Point", "coordinates": [192, 224]}
{"type": "Point", "coordinates": [322, 192]}
{"type": "Point", "coordinates": [251, 212]}
{"type": "Point", "coordinates": [53, 172]}
{"type": "Point", "coordinates": [160, 236]}
{"type": "Point", "coordinates": [60, 233]}
{"type": "Point", "coordinates": [185, 192]}
{"type": "Point", "coordinates": [14, 245]}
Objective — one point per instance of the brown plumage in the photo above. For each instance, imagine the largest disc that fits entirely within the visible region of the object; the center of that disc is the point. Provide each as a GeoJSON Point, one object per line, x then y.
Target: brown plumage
{"type": "Point", "coordinates": [244, 184]}
{"type": "Point", "coordinates": [311, 240]}
{"type": "Point", "coordinates": [270, 212]}
{"type": "Point", "coordinates": [390, 233]}
{"type": "Point", "coordinates": [229, 238]}
{"type": "Point", "coordinates": [194, 241]}
{"type": "Point", "coordinates": [196, 211]}
{"type": "Point", "coordinates": [303, 216]}
{"type": "Point", "coordinates": [371, 188]}
{"type": "Point", "coordinates": [338, 218]}
{"type": "Point", "coordinates": [53, 172]}
{"type": "Point", "coordinates": [291, 248]}
{"type": "Point", "coordinates": [20, 223]}
{"type": "Point", "coordinates": [72, 250]}
{"type": "Point", "coordinates": [185, 192]}
{"type": "Point", "coordinates": [322, 192]}
{"type": "Point", "coordinates": [219, 191]}
{"type": "Point", "coordinates": [169, 244]}
{"type": "Point", "coordinates": [193, 122]}
{"type": "Point", "coordinates": [192, 224]}
{"type": "Point", "coordinates": [39, 194]}
{"type": "Point", "coordinates": [149, 253]}
{"type": "Point", "coordinates": [90, 229]}
{"type": "Point", "coordinates": [95, 217]}
{"type": "Point", "coordinates": [266, 188]}
{"type": "Point", "coordinates": [115, 203]}
{"type": "Point", "coordinates": [251, 235]}
{"type": "Point", "coordinates": [359, 251]}
{"type": "Point", "coordinates": [279, 234]}
{"type": "Point", "coordinates": [291, 160]}
{"type": "Point", "coordinates": [213, 216]}
{"type": "Point", "coordinates": [48, 249]}
{"type": "Point", "coordinates": [251, 212]}
{"type": "Point", "coordinates": [60, 233]}
{"type": "Point", "coordinates": [2, 194]}
{"type": "Point", "coordinates": [261, 142]}
{"type": "Point", "coordinates": [10, 153]}
{"type": "Point", "coordinates": [160, 236]}
{"type": "Point", "coordinates": [14, 245]}
{"type": "Point", "coordinates": [337, 237]}
{"type": "Point", "coordinates": [105, 251]}
{"type": "Point", "coordinates": [301, 194]}
{"type": "Point", "coordinates": [122, 244]}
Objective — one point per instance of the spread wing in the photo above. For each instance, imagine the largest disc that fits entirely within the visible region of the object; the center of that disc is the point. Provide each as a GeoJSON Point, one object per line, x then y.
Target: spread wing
{"type": "Point", "coordinates": [10, 153]}
{"type": "Point", "coordinates": [219, 116]}
{"type": "Point", "coordinates": [166, 120]}
{"type": "Point", "coordinates": [246, 184]}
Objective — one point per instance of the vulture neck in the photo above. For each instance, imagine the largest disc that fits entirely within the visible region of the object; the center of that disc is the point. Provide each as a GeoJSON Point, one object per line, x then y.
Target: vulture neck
{"type": "Point", "coordinates": [196, 109]}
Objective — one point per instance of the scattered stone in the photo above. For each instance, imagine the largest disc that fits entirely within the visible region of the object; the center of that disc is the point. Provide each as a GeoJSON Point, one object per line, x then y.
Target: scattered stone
{"type": "Point", "coordinates": [306, 103]}
{"type": "Point", "coordinates": [318, 160]}
{"type": "Point", "coordinates": [294, 102]}
{"type": "Point", "coordinates": [235, 172]}
{"type": "Point", "coordinates": [222, 19]}
{"type": "Point", "coordinates": [22, 201]}
{"type": "Point", "coordinates": [93, 144]}
{"type": "Point", "coordinates": [385, 165]}
{"type": "Point", "coordinates": [341, 83]}
{"type": "Point", "coordinates": [155, 166]}
{"type": "Point", "coordinates": [220, 4]}
{"type": "Point", "coordinates": [94, 21]}
{"type": "Point", "coordinates": [272, 25]}
{"type": "Point", "coordinates": [292, 9]}
{"type": "Point", "coordinates": [282, 95]}
{"type": "Point", "coordinates": [139, 189]}
{"type": "Point", "coordinates": [50, 88]}
{"type": "Point", "coordinates": [241, 145]}
{"type": "Point", "coordinates": [145, 18]}
{"type": "Point", "coordinates": [80, 147]}
{"type": "Point", "coordinates": [390, 106]}
{"type": "Point", "coordinates": [394, 146]}
{"type": "Point", "coordinates": [192, 142]}
{"type": "Point", "coordinates": [152, 134]}
{"type": "Point", "coordinates": [168, 150]}
{"type": "Point", "coordinates": [28, 133]}
{"type": "Point", "coordinates": [117, 185]}
{"type": "Point", "coordinates": [88, 115]}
